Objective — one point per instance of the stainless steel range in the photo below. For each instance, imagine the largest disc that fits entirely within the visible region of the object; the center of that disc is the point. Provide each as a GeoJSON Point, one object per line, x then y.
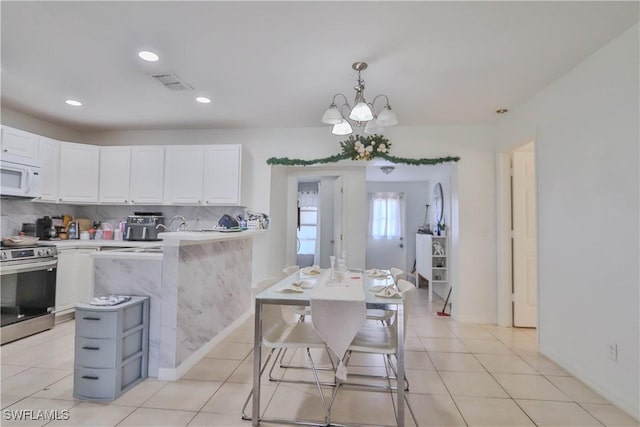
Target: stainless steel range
{"type": "Point", "coordinates": [28, 290]}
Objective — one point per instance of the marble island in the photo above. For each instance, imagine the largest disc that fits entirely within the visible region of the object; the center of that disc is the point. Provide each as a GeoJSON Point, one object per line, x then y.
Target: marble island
{"type": "Point", "coordinates": [199, 284]}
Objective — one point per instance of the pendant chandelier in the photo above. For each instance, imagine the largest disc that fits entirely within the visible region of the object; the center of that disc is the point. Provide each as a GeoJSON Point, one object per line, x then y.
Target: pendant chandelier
{"type": "Point", "coordinates": [362, 114]}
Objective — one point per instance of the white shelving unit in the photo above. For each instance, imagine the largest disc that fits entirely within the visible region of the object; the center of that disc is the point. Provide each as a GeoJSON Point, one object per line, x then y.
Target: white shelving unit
{"type": "Point", "coordinates": [432, 261]}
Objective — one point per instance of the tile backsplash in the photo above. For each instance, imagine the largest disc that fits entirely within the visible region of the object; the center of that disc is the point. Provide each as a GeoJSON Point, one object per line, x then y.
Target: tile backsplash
{"type": "Point", "coordinates": [15, 212]}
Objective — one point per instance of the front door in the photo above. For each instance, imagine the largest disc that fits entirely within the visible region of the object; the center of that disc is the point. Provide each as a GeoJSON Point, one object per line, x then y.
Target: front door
{"type": "Point", "coordinates": [386, 230]}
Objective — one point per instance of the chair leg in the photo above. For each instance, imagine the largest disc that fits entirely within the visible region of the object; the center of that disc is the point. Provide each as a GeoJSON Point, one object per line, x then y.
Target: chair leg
{"type": "Point", "coordinates": [327, 410]}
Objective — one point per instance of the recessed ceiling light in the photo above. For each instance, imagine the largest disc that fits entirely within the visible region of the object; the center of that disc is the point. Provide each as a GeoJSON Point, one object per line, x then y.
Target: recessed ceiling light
{"type": "Point", "coordinates": [203, 100]}
{"type": "Point", "coordinates": [73, 103]}
{"type": "Point", "coordinates": [501, 111]}
{"type": "Point", "coordinates": [148, 55]}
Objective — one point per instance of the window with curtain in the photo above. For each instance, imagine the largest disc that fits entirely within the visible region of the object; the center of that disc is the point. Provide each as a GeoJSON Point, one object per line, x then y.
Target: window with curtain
{"type": "Point", "coordinates": [384, 215]}
{"type": "Point", "coordinates": [308, 201]}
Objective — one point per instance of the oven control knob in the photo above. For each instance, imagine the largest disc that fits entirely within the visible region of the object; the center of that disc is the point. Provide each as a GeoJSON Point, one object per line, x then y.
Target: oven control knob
{"type": "Point", "coordinates": [49, 251]}
{"type": "Point", "coordinates": [3, 255]}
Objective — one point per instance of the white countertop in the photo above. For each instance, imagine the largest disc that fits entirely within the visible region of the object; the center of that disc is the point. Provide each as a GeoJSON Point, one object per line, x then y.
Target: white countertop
{"type": "Point", "coordinates": [195, 237]}
{"type": "Point", "coordinates": [78, 244]}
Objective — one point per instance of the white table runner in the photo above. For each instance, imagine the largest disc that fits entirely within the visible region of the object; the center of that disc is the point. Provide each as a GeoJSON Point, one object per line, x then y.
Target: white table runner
{"type": "Point", "coordinates": [338, 311]}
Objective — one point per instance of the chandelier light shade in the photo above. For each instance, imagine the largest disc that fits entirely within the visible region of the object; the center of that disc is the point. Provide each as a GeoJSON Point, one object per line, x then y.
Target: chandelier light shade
{"type": "Point", "coordinates": [342, 128]}
{"type": "Point", "coordinates": [363, 113]}
{"type": "Point", "coordinates": [387, 169]}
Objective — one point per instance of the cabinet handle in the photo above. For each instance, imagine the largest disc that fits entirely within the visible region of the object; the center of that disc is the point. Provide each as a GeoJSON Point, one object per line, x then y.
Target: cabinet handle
{"type": "Point", "coordinates": [90, 348]}
{"type": "Point", "coordinates": [89, 377]}
{"type": "Point", "coordinates": [59, 200]}
{"type": "Point", "coordinates": [91, 318]}
{"type": "Point", "coordinates": [133, 201]}
{"type": "Point", "coordinates": [125, 201]}
{"type": "Point", "coordinates": [5, 150]}
{"type": "Point", "coordinates": [199, 201]}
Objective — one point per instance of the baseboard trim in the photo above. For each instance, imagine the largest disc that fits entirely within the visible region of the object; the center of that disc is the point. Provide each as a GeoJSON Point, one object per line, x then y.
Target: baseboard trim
{"type": "Point", "coordinates": [173, 374]}
{"type": "Point", "coordinates": [627, 405]}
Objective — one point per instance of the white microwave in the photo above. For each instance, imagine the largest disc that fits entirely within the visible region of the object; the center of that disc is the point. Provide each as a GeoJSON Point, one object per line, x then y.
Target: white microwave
{"type": "Point", "coordinates": [19, 176]}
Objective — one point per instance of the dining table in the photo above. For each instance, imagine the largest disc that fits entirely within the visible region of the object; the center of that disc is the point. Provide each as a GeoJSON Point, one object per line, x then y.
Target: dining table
{"type": "Point", "coordinates": [278, 295]}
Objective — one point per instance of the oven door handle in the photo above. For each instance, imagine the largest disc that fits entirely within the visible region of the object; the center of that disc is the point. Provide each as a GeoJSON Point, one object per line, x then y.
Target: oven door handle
{"type": "Point", "coordinates": [27, 267]}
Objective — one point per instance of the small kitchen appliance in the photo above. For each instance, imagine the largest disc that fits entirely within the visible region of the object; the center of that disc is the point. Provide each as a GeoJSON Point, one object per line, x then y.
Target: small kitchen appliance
{"type": "Point", "coordinates": [144, 226]}
{"type": "Point", "coordinates": [43, 228]}
{"type": "Point", "coordinates": [19, 176]}
{"type": "Point", "coordinates": [28, 290]}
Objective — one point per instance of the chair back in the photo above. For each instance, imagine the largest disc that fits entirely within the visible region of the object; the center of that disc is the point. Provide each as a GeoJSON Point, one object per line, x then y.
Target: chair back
{"type": "Point", "coordinates": [396, 274]}
{"type": "Point", "coordinates": [288, 271]}
{"type": "Point", "coordinates": [408, 291]}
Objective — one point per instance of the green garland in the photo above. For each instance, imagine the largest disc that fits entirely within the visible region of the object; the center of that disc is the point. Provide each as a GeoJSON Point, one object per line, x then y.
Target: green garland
{"type": "Point", "coordinates": [361, 148]}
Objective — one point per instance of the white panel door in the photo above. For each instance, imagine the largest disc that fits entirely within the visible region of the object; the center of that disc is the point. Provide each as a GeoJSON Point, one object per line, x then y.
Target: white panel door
{"type": "Point", "coordinates": [222, 174]}
{"type": "Point", "coordinates": [79, 172]}
{"type": "Point", "coordinates": [147, 175]}
{"type": "Point", "coordinates": [184, 174]}
{"type": "Point", "coordinates": [115, 174]}
{"type": "Point", "coordinates": [385, 253]}
{"type": "Point", "coordinates": [49, 154]}
{"type": "Point", "coordinates": [525, 264]}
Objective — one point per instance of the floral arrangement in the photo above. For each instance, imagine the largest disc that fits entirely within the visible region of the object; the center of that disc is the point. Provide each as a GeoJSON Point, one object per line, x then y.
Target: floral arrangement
{"type": "Point", "coordinates": [365, 148]}
{"type": "Point", "coordinates": [360, 147]}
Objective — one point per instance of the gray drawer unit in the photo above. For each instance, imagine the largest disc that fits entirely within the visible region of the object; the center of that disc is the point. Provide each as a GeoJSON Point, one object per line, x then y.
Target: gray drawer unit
{"type": "Point", "coordinates": [111, 348]}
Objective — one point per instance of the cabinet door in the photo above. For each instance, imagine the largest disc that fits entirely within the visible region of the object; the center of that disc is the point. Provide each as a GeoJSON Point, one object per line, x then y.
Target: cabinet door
{"type": "Point", "coordinates": [147, 175]}
{"type": "Point", "coordinates": [19, 142]}
{"type": "Point", "coordinates": [84, 275]}
{"type": "Point", "coordinates": [49, 154]}
{"type": "Point", "coordinates": [79, 172]}
{"type": "Point", "coordinates": [222, 174]}
{"type": "Point", "coordinates": [65, 280]}
{"type": "Point", "coordinates": [183, 174]}
{"type": "Point", "coordinates": [115, 170]}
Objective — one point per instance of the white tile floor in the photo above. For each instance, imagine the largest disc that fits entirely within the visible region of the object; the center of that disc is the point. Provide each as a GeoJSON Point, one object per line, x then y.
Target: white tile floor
{"type": "Point", "coordinates": [461, 375]}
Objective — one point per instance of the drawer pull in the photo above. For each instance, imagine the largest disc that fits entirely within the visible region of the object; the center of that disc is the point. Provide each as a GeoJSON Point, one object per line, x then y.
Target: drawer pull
{"type": "Point", "coordinates": [89, 377]}
{"type": "Point", "coordinates": [92, 318]}
{"type": "Point", "coordinates": [90, 348]}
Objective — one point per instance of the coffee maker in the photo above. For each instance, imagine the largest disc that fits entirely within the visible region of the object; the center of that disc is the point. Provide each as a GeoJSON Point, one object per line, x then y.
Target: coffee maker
{"type": "Point", "coordinates": [43, 228]}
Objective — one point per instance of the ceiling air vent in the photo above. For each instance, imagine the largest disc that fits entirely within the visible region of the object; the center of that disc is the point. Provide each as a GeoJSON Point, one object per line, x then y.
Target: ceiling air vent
{"type": "Point", "coordinates": [171, 81]}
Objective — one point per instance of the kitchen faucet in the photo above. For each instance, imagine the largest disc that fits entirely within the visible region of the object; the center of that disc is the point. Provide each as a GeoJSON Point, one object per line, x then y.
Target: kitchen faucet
{"type": "Point", "coordinates": [181, 227]}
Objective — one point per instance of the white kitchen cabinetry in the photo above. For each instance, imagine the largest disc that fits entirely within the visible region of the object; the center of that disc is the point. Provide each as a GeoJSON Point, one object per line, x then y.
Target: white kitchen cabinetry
{"type": "Point", "coordinates": [222, 174]}
{"type": "Point", "coordinates": [49, 155]}
{"type": "Point", "coordinates": [184, 174]}
{"type": "Point", "coordinates": [147, 175]}
{"type": "Point", "coordinates": [79, 172]}
{"type": "Point", "coordinates": [432, 261]}
{"type": "Point", "coordinates": [115, 174]}
{"type": "Point", "coordinates": [19, 142]}
{"type": "Point", "coordinates": [74, 278]}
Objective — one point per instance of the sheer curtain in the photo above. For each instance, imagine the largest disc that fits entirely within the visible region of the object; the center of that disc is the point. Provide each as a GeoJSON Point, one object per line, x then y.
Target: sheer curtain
{"type": "Point", "coordinates": [384, 216]}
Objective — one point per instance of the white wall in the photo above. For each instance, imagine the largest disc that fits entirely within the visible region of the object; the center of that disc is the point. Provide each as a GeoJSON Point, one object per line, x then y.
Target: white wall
{"type": "Point", "coordinates": [41, 127]}
{"type": "Point", "coordinates": [585, 127]}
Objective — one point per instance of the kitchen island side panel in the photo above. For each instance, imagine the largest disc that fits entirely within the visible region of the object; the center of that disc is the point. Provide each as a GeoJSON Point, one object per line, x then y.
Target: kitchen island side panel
{"type": "Point", "coordinates": [214, 290]}
{"type": "Point", "coordinates": [141, 277]}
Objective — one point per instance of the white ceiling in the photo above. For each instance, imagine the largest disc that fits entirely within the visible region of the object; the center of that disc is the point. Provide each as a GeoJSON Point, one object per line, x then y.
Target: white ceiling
{"type": "Point", "coordinates": [277, 64]}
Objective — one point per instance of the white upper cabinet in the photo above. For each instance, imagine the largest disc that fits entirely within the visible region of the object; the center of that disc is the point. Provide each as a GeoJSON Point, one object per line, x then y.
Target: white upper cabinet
{"type": "Point", "coordinates": [49, 155]}
{"type": "Point", "coordinates": [79, 172]}
{"type": "Point", "coordinates": [184, 174]}
{"type": "Point", "coordinates": [115, 174]}
{"type": "Point", "coordinates": [222, 174]}
{"type": "Point", "coordinates": [147, 175]}
{"type": "Point", "coordinates": [19, 142]}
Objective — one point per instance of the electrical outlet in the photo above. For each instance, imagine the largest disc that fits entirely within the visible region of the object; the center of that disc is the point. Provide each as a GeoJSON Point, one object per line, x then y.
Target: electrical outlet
{"type": "Point", "coordinates": [613, 352]}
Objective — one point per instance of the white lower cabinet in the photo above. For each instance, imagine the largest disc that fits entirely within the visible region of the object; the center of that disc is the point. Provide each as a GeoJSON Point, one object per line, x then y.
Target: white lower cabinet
{"type": "Point", "coordinates": [74, 278]}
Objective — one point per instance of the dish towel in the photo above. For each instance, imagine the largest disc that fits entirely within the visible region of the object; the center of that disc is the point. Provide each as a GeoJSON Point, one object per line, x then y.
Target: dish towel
{"type": "Point", "coordinates": [338, 312]}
